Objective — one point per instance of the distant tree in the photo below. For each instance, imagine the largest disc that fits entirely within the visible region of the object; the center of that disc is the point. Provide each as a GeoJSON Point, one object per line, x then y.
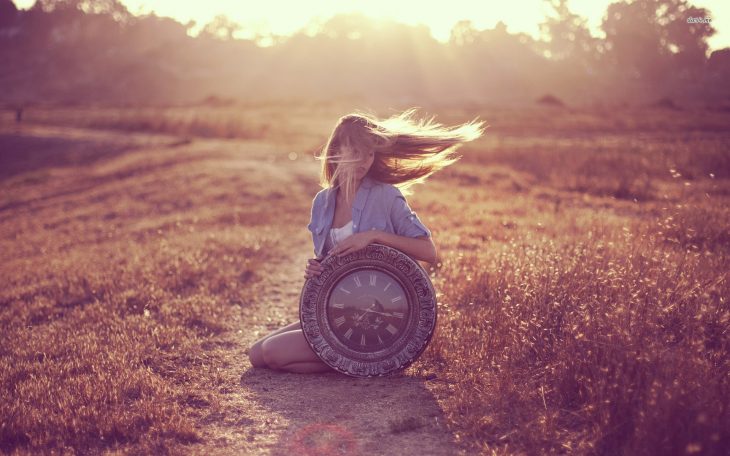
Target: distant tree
{"type": "Point", "coordinates": [114, 8]}
{"type": "Point", "coordinates": [717, 75]}
{"type": "Point", "coordinates": [221, 27]}
{"type": "Point", "coordinates": [568, 37]}
{"type": "Point", "coordinates": [348, 25]}
{"type": "Point", "coordinates": [720, 61]}
{"type": "Point", "coordinates": [151, 31]}
{"type": "Point", "coordinates": [633, 39]}
{"type": "Point", "coordinates": [687, 40]}
{"type": "Point", "coordinates": [495, 62]}
{"type": "Point", "coordinates": [496, 41]}
{"type": "Point", "coordinates": [8, 12]}
{"type": "Point", "coordinates": [648, 39]}
{"type": "Point", "coordinates": [463, 33]}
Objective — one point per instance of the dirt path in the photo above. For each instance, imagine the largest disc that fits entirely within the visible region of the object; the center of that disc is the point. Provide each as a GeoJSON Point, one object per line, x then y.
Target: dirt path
{"type": "Point", "coordinates": [272, 412]}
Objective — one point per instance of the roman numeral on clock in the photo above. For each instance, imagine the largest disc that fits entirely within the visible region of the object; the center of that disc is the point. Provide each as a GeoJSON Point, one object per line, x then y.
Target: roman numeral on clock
{"type": "Point", "coordinates": [398, 314]}
{"type": "Point", "coordinates": [346, 291]}
{"type": "Point", "coordinates": [339, 321]}
{"type": "Point", "coordinates": [396, 299]}
{"type": "Point", "coordinates": [357, 281]}
{"type": "Point", "coordinates": [348, 334]}
{"type": "Point", "coordinates": [373, 278]}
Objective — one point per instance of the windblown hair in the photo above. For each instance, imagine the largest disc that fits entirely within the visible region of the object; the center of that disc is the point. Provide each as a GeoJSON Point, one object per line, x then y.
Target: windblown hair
{"type": "Point", "coordinates": [407, 150]}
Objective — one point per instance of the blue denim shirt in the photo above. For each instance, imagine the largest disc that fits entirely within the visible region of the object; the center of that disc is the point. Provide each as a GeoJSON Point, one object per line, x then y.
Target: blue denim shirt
{"type": "Point", "coordinates": [377, 206]}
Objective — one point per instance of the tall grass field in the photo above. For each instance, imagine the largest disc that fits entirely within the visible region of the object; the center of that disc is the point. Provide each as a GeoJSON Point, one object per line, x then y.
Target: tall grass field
{"type": "Point", "coordinates": [582, 279]}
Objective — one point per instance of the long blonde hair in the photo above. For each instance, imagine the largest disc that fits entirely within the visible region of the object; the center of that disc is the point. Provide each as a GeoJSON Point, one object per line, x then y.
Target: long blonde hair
{"type": "Point", "coordinates": [407, 150]}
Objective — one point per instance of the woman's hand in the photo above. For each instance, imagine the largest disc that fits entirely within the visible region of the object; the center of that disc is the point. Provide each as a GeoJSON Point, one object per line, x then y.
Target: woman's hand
{"type": "Point", "coordinates": [353, 243]}
{"type": "Point", "coordinates": [313, 268]}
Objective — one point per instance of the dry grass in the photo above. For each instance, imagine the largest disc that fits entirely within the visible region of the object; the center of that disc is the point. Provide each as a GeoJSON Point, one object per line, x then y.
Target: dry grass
{"type": "Point", "coordinates": [593, 346]}
{"type": "Point", "coordinates": [113, 345]}
{"type": "Point", "coordinates": [582, 286]}
{"type": "Point", "coordinates": [580, 318]}
{"type": "Point", "coordinates": [122, 285]}
{"type": "Point", "coordinates": [292, 123]}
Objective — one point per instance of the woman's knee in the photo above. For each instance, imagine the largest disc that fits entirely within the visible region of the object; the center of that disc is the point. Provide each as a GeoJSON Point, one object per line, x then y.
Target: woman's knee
{"type": "Point", "coordinates": [290, 347]}
{"type": "Point", "coordinates": [270, 354]}
{"type": "Point", "coordinates": [255, 355]}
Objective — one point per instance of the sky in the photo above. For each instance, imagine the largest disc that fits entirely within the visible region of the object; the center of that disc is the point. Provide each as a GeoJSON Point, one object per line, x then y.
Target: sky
{"type": "Point", "coordinates": [283, 17]}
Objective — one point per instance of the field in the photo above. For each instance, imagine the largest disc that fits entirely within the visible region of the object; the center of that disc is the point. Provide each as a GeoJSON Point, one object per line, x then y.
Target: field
{"type": "Point", "coordinates": [582, 284]}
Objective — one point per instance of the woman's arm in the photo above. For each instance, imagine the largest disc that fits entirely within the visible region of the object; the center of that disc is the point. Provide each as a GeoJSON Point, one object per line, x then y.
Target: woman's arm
{"type": "Point", "coordinates": [421, 247]}
{"type": "Point", "coordinates": [412, 238]}
{"type": "Point", "coordinates": [409, 234]}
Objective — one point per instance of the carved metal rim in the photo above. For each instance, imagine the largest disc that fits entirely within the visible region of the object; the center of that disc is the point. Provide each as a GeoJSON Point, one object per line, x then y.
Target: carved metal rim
{"type": "Point", "coordinates": [406, 349]}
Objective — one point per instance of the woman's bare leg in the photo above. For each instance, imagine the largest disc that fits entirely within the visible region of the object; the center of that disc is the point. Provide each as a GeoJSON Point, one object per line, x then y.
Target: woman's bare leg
{"type": "Point", "coordinates": [290, 351]}
{"type": "Point", "coordinates": [254, 352]}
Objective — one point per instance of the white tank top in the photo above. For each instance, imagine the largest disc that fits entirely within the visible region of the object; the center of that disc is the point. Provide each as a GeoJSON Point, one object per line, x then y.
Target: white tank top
{"type": "Point", "coordinates": [336, 235]}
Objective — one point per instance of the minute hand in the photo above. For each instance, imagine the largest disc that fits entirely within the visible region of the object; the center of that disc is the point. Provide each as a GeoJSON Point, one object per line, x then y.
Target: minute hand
{"type": "Point", "coordinates": [381, 313]}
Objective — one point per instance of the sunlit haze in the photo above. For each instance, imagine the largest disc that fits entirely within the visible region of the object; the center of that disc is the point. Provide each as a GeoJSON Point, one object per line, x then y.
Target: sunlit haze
{"type": "Point", "coordinates": [284, 17]}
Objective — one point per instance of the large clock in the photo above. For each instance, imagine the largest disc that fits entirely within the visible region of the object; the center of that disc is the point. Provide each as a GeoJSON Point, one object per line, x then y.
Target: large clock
{"type": "Point", "coordinates": [369, 313]}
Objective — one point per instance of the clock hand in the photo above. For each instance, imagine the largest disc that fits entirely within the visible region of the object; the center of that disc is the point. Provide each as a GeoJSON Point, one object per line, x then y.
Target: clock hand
{"type": "Point", "coordinates": [365, 311]}
{"type": "Point", "coordinates": [362, 314]}
{"type": "Point", "coordinates": [387, 314]}
{"type": "Point", "coordinates": [369, 309]}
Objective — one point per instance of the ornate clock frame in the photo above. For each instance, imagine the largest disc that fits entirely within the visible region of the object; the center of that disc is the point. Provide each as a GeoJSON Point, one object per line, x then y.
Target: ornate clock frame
{"type": "Point", "coordinates": [400, 352]}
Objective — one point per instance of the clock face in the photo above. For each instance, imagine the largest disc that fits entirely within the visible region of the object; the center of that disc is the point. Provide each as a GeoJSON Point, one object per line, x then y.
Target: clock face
{"type": "Point", "coordinates": [367, 310]}
{"type": "Point", "coordinates": [370, 312]}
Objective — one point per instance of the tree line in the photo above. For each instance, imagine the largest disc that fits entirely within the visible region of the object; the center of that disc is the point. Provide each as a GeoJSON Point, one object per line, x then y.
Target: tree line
{"type": "Point", "coordinates": [80, 51]}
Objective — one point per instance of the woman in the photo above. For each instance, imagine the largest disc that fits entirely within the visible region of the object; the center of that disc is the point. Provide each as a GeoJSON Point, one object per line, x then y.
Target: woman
{"type": "Point", "coordinates": [365, 165]}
